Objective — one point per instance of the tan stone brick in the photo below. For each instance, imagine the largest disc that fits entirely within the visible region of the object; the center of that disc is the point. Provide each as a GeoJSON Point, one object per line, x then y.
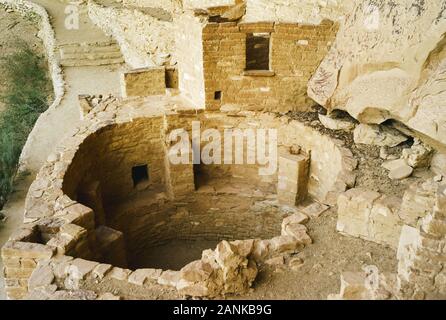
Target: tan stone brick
{"type": "Point", "coordinates": [18, 273]}
{"type": "Point", "coordinates": [144, 82]}
{"type": "Point", "coordinates": [26, 250]}
{"type": "Point", "coordinates": [28, 263]}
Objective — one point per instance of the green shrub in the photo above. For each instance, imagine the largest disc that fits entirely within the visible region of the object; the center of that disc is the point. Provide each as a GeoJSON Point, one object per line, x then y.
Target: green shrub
{"type": "Point", "coordinates": [26, 97]}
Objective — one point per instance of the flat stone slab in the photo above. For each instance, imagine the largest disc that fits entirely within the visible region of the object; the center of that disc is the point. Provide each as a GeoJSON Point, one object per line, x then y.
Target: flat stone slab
{"type": "Point", "coordinates": [314, 210]}
{"type": "Point", "coordinates": [393, 164]}
{"type": "Point", "coordinates": [401, 172]}
{"type": "Point", "coordinates": [140, 276]}
{"type": "Point", "coordinates": [41, 277]}
{"type": "Point", "coordinates": [79, 268]}
{"type": "Point", "coordinates": [119, 274]}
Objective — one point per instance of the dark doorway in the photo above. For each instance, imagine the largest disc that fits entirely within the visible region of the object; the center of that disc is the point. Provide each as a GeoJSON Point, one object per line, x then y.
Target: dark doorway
{"type": "Point", "coordinates": [140, 174]}
{"type": "Point", "coordinates": [258, 51]}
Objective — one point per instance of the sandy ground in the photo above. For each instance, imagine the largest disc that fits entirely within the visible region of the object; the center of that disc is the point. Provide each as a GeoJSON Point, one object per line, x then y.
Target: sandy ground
{"type": "Point", "coordinates": [324, 260]}
{"type": "Point", "coordinates": [174, 255]}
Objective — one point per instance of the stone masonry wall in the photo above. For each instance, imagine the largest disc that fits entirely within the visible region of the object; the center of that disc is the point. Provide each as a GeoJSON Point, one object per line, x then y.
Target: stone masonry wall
{"type": "Point", "coordinates": [153, 222]}
{"type": "Point", "coordinates": [421, 243]}
{"type": "Point", "coordinates": [113, 152]}
{"type": "Point", "coordinates": [370, 215]}
{"type": "Point", "coordinates": [331, 169]}
{"type": "Point", "coordinates": [422, 254]}
{"type": "Point", "coordinates": [295, 53]}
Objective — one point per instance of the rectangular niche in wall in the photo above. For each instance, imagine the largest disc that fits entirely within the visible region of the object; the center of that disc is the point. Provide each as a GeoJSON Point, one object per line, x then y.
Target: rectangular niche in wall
{"type": "Point", "coordinates": [140, 175]}
{"type": "Point", "coordinates": [258, 51]}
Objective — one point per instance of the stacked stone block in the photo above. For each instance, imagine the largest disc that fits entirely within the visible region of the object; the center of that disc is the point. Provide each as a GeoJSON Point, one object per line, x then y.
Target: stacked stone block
{"type": "Point", "coordinates": [293, 178]}
{"type": "Point", "coordinates": [422, 255]}
{"type": "Point", "coordinates": [143, 82]}
{"type": "Point", "coordinates": [20, 260]}
{"type": "Point", "coordinates": [370, 215]}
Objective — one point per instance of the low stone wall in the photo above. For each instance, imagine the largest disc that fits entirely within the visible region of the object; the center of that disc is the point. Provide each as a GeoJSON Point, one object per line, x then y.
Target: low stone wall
{"type": "Point", "coordinates": [46, 33]}
{"type": "Point", "coordinates": [370, 215]}
{"type": "Point", "coordinates": [421, 255]}
{"type": "Point", "coordinates": [380, 218]}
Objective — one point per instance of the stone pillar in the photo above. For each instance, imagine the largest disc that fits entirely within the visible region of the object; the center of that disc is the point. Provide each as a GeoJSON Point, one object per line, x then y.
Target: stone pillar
{"type": "Point", "coordinates": [293, 178]}
{"type": "Point", "coordinates": [110, 247]}
{"type": "Point", "coordinates": [179, 177]}
{"type": "Point", "coordinates": [91, 196]}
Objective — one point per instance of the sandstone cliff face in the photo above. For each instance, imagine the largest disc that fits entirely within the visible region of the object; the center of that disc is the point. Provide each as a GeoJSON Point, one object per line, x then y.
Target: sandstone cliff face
{"type": "Point", "coordinates": [303, 11]}
{"type": "Point", "coordinates": [144, 39]}
{"type": "Point", "coordinates": [388, 62]}
{"type": "Point", "coordinates": [167, 5]}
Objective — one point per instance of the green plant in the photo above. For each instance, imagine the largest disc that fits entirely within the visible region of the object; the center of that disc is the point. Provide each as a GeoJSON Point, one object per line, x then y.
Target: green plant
{"type": "Point", "coordinates": [26, 97]}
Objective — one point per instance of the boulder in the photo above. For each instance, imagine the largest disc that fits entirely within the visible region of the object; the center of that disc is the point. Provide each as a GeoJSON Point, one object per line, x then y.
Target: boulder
{"type": "Point", "coordinates": [419, 155]}
{"type": "Point", "coordinates": [295, 218]}
{"type": "Point", "coordinates": [370, 72]}
{"type": "Point", "coordinates": [297, 232]}
{"type": "Point", "coordinates": [336, 123]}
{"type": "Point", "coordinates": [41, 276]}
{"type": "Point", "coordinates": [402, 172]}
{"type": "Point", "coordinates": [378, 135]}
{"type": "Point", "coordinates": [369, 215]}
{"type": "Point", "coordinates": [438, 164]}
{"type": "Point", "coordinates": [224, 270]}
{"type": "Point", "coordinates": [393, 164]}
{"type": "Point", "coordinates": [315, 209]}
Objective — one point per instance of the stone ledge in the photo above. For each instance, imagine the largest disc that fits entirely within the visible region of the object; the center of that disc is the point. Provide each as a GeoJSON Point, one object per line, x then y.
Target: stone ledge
{"type": "Point", "coordinates": [258, 73]}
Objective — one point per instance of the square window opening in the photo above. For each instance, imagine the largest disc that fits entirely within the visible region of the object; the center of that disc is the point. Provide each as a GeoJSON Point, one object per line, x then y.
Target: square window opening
{"type": "Point", "coordinates": [258, 51]}
{"type": "Point", "coordinates": [217, 95]}
{"type": "Point", "coordinates": [140, 174]}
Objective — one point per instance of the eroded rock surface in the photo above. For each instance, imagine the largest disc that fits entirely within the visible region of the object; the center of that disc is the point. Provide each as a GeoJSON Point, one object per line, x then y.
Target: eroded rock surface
{"type": "Point", "coordinates": [388, 62]}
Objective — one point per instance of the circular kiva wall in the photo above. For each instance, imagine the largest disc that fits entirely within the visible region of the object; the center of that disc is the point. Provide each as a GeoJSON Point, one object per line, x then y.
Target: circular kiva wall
{"type": "Point", "coordinates": [122, 174]}
{"type": "Point", "coordinates": [110, 195]}
{"type": "Point", "coordinates": [156, 210]}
